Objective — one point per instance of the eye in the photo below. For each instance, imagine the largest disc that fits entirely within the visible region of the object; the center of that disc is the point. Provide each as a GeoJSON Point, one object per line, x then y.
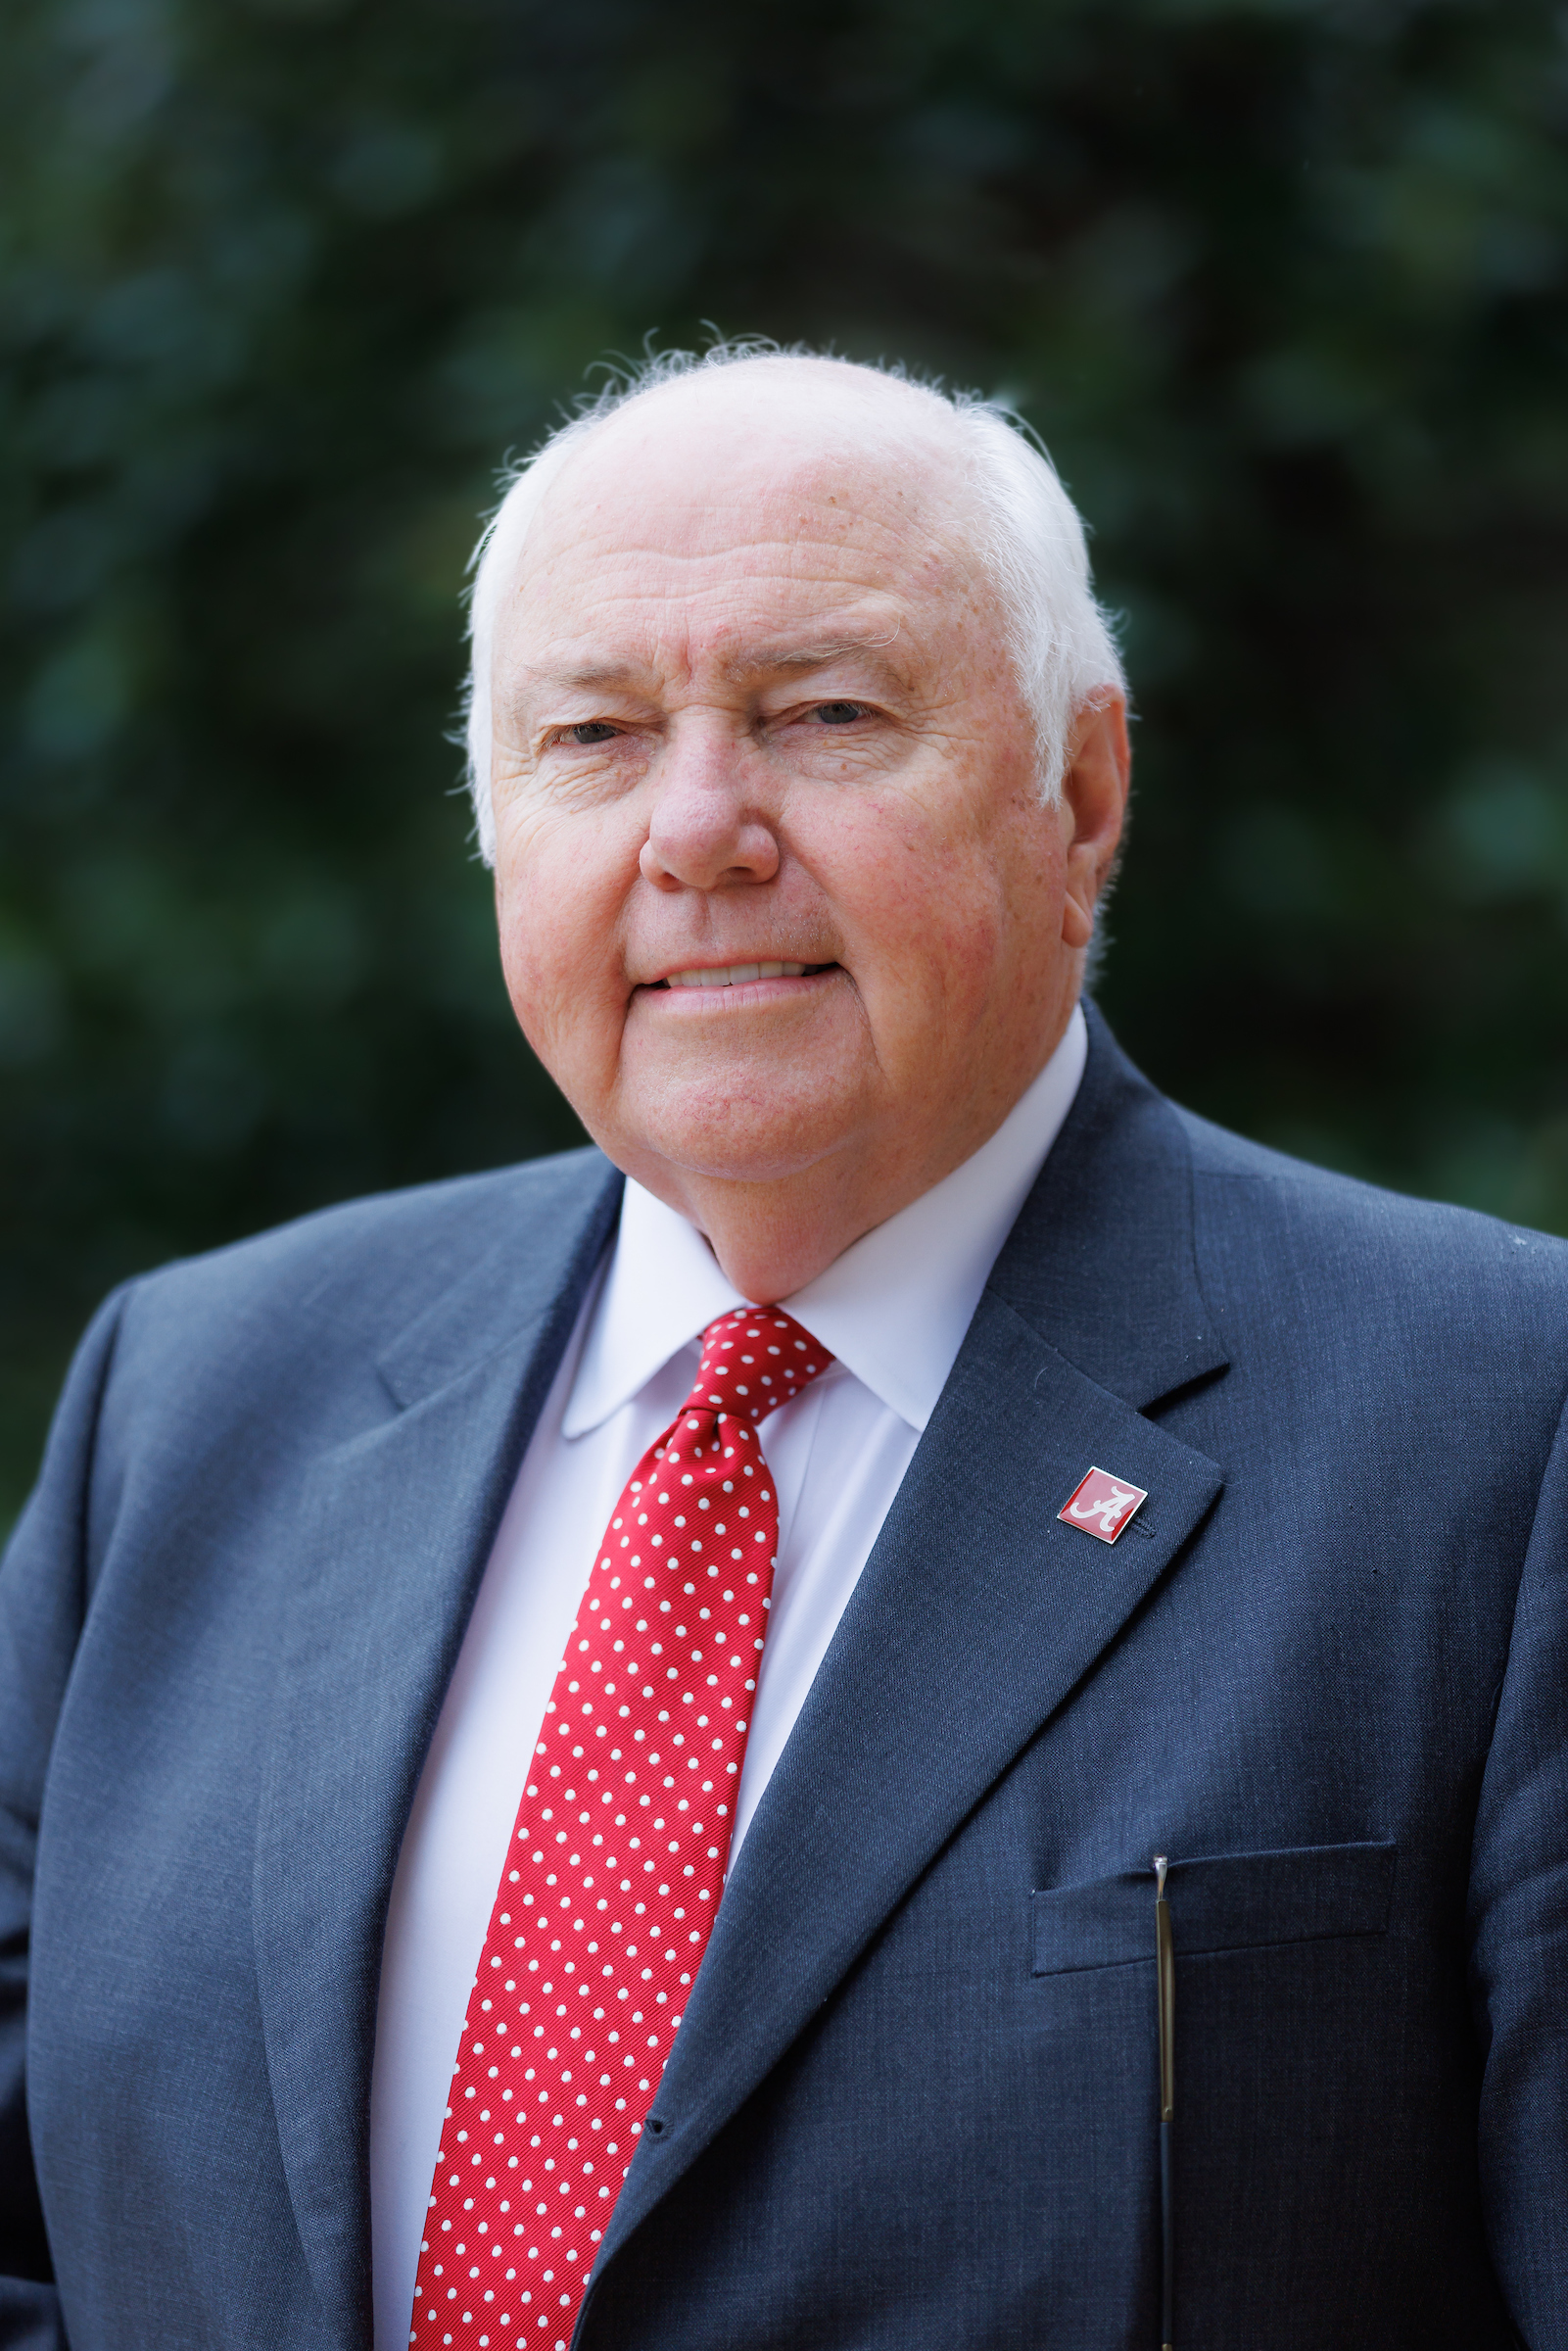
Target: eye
{"type": "Point", "coordinates": [592, 730]}
{"type": "Point", "coordinates": [839, 714]}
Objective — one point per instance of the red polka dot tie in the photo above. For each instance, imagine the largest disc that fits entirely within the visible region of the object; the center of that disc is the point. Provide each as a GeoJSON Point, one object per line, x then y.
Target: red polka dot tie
{"type": "Point", "coordinates": [616, 1863]}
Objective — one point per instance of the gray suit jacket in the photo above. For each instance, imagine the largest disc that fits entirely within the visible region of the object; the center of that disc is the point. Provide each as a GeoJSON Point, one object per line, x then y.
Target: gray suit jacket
{"type": "Point", "coordinates": [913, 2100]}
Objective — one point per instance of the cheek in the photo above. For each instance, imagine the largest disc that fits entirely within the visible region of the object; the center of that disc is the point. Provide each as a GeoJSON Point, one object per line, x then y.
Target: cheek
{"type": "Point", "coordinates": [558, 907]}
{"type": "Point", "coordinates": [954, 911]}
{"type": "Point", "coordinates": [924, 915]}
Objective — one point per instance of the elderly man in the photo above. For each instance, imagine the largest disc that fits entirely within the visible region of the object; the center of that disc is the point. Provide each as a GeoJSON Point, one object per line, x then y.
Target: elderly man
{"type": "Point", "coordinates": [922, 1702]}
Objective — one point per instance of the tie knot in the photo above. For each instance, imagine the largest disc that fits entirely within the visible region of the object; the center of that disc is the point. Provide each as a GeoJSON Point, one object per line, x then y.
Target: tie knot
{"type": "Point", "coordinates": [754, 1360]}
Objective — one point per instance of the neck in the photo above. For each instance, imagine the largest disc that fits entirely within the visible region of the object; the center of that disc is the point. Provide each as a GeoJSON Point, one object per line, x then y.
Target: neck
{"type": "Point", "coordinates": [773, 1237]}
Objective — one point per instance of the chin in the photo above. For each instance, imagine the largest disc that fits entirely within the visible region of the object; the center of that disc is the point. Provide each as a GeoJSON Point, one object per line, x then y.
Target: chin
{"type": "Point", "coordinates": [738, 1158]}
{"type": "Point", "coordinates": [725, 1148]}
{"type": "Point", "coordinates": [724, 1132]}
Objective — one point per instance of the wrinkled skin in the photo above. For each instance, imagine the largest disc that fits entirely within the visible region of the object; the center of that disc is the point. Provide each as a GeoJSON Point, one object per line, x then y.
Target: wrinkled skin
{"type": "Point", "coordinates": [752, 703]}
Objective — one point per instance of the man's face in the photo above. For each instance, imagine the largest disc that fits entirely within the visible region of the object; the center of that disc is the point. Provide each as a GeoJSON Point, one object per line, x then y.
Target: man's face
{"type": "Point", "coordinates": [776, 890]}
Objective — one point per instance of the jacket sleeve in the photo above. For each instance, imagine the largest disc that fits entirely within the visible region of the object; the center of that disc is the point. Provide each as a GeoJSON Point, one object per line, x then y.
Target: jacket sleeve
{"type": "Point", "coordinates": [43, 1589]}
{"type": "Point", "coordinates": [1519, 1939]}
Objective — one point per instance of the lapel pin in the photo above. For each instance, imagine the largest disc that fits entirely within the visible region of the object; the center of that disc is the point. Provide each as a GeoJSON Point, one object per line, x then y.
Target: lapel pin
{"type": "Point", "coordinates": [1102, 1506]}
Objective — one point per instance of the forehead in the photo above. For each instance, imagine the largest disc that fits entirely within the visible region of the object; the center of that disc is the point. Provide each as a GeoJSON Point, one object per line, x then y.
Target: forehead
{"type": "Point", "coordinates": [715, 518]}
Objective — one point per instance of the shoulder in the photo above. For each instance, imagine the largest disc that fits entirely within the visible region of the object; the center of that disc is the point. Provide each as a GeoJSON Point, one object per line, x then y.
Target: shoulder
{"type": "Point", "coordinates": [355, 1276]}
{"type": "Point", "coordinates": [1314, 1238]}
{"type": "Point", "coordinates": [215, 1373]}
{"type": "Point", "coordinates": [424, 1236]}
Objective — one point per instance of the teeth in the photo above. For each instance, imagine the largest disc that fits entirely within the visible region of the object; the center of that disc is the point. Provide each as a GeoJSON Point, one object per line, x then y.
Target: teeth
{"type": "Point", "coordinates": [732, 975]}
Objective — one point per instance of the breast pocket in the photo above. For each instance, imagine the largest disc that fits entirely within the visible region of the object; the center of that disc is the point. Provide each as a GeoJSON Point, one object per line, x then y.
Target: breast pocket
{"type": "Point", "coordinates": [1219, 1903]}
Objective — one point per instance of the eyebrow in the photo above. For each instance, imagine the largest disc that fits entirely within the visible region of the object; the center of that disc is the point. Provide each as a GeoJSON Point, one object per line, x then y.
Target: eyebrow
{"type": "Point", "coordinates": [605, 673]}
{"type": "Point", "coordinates": [796, 657]}
{"type": "Point", "coordinates": [814, 654]}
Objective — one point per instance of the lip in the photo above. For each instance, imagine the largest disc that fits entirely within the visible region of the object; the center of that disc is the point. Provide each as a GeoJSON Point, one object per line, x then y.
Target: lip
{"type": "Point", "coordinates": [675, 998]}
{"type": "Point", "coordinates": [740, 972]}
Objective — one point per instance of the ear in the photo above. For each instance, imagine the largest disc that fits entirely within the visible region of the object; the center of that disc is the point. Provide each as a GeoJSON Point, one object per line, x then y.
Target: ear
{"type": "Point", "coordinates": [1094, 807]}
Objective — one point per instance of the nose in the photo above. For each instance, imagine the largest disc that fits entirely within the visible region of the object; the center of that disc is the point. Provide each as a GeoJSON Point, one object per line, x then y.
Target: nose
{"type": "Point", "coordinates": [708, 830]}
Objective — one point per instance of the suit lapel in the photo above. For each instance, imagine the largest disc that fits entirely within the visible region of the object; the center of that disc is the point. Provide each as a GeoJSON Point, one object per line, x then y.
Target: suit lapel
{"type": "Point", "coordinates": [978, 1613]}
{"type": "Point", "coordinates": [396, 1528]}
{"type": "Point", "coordinates": [1103, 1259]}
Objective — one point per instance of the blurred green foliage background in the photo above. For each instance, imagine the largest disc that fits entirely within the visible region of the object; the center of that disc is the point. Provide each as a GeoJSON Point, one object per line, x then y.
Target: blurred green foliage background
{"type": "Point", "coordinates": [1282, 283]}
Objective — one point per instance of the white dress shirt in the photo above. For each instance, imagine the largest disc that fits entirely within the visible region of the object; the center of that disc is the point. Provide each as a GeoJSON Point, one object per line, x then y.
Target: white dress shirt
{"type": "Point", "coordinates": [894, 1310]}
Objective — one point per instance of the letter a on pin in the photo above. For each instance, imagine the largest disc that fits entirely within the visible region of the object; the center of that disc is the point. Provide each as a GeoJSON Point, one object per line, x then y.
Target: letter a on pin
{"type": "Point", "coordinates": [1102, 1506]}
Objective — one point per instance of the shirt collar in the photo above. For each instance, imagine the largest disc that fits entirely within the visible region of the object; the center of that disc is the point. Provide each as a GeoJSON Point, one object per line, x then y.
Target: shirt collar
{"type": "Point", "coordinates": [893, 1307]}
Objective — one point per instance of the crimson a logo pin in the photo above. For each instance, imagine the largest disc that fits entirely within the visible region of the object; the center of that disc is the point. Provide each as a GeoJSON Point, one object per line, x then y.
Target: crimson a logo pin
{"type": "Point", "coordinates": [1102, 1506]}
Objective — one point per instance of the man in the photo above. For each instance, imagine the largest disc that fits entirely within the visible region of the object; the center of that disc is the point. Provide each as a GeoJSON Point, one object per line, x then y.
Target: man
{"type": "Point", "coordinates": [429, 1613]}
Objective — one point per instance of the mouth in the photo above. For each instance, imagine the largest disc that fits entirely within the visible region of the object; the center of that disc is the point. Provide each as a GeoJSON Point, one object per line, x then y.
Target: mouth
{"type": "Point", "coordinates": [737, 975]}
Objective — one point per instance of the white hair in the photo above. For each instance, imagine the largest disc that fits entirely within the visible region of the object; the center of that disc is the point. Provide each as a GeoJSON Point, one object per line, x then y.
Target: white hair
{"type": "Point", "coordinates": [1028, 539]}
